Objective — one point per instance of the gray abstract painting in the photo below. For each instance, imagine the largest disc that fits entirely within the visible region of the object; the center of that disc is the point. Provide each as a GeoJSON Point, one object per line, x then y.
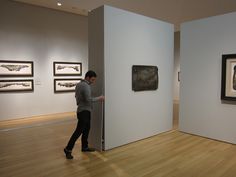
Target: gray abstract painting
{"type": "Point", "coordinates": [144, 77]}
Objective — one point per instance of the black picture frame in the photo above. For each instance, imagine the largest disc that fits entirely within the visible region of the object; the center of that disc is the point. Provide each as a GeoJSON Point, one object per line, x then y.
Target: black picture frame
{"type": "Point", "coordinates": [179, 76]}
{"type": "Point", "coordinates": [65, 85]}
{"type": "Point", "coordinates": [144, 77]}
{"type": "Point", "coordinates": [67, 68]}
{"type": "Point", "coordinates": [25, 85]}
{"type": "Point", "coordinates": [12, 68]}
{"type": "Point", "coordinates": [228, 77]}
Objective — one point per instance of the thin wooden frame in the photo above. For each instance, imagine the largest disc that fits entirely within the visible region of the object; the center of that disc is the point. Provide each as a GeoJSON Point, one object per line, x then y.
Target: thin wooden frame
{"type": "Point", "coordinates": [67, 69]}
{"type": "Point", "coordinates": [10, 68]}
{"type": "Point", "coordinates": [228, 77]}
{"type": "Point", "coordinates": [65, 85]}
{"type": "Point", "coordinates": [16, 85]}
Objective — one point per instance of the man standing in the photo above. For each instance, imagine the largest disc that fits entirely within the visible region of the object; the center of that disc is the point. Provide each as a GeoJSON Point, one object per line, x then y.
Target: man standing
{"type": "Point", "coordinates": [84, 102]}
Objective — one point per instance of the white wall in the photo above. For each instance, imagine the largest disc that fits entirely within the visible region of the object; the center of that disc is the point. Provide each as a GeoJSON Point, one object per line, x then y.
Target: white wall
{"type": "Point", "coordinates": [132, 39]}
{"type": "Point", "coordinates": [96, 63]}
{"type": "Point", "coordinates": [202, 44]}
{"type": "Point", "coordinates": [40, 35]}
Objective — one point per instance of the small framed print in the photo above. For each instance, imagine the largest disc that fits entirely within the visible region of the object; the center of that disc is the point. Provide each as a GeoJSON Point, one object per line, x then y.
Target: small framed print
{"type": "Point", "coordinates": [65, 85]}
{"type": "Point", "coordinates": [16, 85]}
{"type": "Point", "coordinates": [9, 68]}
{"type": "Point", "coordinates": [179, 76]}
{"type": "Point", "coordinates": [228, 77]}
{"type": "Point", "coordinates": [67, 69]}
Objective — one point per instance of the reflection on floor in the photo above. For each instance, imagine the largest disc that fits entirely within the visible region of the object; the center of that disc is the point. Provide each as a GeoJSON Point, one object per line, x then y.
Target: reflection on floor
{"type": "Point", "coordinates": [36, 121]}
{"type": "Point", "coordinates": [175, 114]}
{"type": "Point", "coordinates": [37, 151]}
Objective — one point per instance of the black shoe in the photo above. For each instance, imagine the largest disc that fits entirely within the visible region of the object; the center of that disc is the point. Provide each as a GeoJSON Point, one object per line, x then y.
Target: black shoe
{"type": "Point", "coordinates": [68, 154]}
{"type": "Point", "coordinates": [88, 149]}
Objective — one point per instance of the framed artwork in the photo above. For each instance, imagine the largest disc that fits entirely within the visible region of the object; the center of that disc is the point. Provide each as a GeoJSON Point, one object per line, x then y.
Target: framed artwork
{"type": "Point", "coordinates": [9, 68]}
{"type": "Point", "coordinates": [65, 85]}
{"type": "Point", "coordinates": [16, 85]}
{"type": "Point", "coordinates": [228, 77]}
{"type": "Point", "coordinates": [144, 77]}
{"type": "Point", "coordinates": [67, 69]}
{"type": "Point", "coordinates": [179, 76]}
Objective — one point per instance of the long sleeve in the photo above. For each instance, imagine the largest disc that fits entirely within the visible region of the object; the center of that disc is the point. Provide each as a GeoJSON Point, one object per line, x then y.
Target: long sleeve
{"type": "Point", "coordinates": [83, 96]}
{"type": "Point", "coordinates": [87, 95]}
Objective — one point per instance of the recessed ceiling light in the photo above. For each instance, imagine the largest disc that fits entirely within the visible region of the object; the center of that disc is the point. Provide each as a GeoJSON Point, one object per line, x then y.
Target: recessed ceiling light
{"type": "Point", "coordinates": [59, 4]}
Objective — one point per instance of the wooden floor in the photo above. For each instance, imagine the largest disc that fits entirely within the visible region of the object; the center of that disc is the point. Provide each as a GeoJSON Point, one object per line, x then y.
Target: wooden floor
{"type": "Point", "coordinates": [36, 150]}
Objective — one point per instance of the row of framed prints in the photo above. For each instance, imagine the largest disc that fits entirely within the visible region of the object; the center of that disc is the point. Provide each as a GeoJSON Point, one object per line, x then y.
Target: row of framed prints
{"type": "Point", "coordinates": [9, 68]}
{"type": "Point", "coordinates": [60, 85]}
{"type": "Point", "coordinates": [66, 69]}
{"type": "Point", "coordinates": [26, 68]}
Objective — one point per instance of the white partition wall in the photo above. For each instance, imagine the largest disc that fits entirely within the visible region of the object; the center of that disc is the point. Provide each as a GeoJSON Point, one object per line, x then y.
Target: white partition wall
{"type": "Point", "coordinates": [201, 110]}
{"type": "Point", "coordinates": [130, 39]}
{"type": "Point", "coordinates": [96, 63]}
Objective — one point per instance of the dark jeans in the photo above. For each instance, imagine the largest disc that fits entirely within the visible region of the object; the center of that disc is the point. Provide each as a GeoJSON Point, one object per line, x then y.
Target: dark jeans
{"type": "Point", "coordinates": [83, 127]}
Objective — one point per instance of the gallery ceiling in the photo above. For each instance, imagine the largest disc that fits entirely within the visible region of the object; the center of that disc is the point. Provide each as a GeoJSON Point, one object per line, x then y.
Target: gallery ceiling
{"type": "Point", "coordinates": [172, 11]}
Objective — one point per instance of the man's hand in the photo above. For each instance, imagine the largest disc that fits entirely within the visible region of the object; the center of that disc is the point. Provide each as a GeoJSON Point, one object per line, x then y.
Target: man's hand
{"type": "Point", "coordinates": [101, 98]}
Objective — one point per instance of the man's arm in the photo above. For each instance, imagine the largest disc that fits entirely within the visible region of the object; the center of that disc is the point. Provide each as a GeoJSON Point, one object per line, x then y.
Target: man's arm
{"type": "Point", "coordinates": [88, 97]}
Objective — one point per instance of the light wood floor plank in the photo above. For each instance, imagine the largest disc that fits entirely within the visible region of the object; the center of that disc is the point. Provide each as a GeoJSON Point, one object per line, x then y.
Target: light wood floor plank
{"type": "Point", "coordinates": [37, 151]}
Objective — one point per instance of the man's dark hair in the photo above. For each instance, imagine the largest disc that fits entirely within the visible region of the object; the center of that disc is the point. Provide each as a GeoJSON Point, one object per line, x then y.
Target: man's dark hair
{"type": "Point", "coordinates": [90, 74]}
